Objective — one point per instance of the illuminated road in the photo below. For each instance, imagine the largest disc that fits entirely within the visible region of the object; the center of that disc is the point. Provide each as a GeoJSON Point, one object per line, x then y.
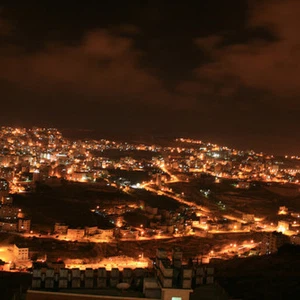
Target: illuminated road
{"type": "Point", "coordinates": [235, 248]}
{"type": "Point", "coordinates": [178, 199]}
{"type": "Point", "coordinates": [233, 218]}
{"type": "Point", "coordinates": [174, 178]}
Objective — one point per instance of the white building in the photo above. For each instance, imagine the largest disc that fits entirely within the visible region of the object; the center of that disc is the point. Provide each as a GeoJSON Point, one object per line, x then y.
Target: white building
{"type": "Point", "coordinates": [20, 253]}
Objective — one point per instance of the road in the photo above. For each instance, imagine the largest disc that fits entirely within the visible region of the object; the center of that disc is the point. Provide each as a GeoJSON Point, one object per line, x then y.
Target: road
{"type": "Point", "coordinates": [178, 199]}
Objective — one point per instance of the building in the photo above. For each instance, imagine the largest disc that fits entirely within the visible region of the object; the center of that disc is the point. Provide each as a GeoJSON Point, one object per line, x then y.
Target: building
{"type": "Point", "coordinates": [7, 200]}
{"type": "Point", "coordinates": [7, 173]}
{"type": "Point", "coordinates": [235, 226]}
{"type": "Point", "coordinates": [75, 234]}
{"type": "Point", "coordinates": [203, 220]}
{"type": "Point", "coordinates": [283, 210]}
{"type": "Point", "coordinates": [36, 176]}
{"type": "Point", "coordinates": [172, 274]}
{"type": "Point", "coordinates": [295, 239]}
{"type": "Point", "coordinates": [283, 226]}
{"type": "Point", "coordinates": [60, 228]}
{"type": "Point", "coordinates": [243, 185]}
{"type": "Point", "coordinates": [4, 188]}
{"type": "Point", "coordinates": [105, 234]}
{"type": "Point", "coordinates": [91, 230]}
{"type": "Point", "coordinates": [81, 176]}
{"type": "Point", "coordinates": [172, 281]}
{"type": "Point", "coordinates": [56, 265]}
{"type": "Point", "coordinates": [8, 212]}
{"type": "Point", "coordinates": [8, 225]}
{"type": "Point", "coordinates": [128, 233]}
{"type": "Point", "coordinates": [20, 253]}
{"type": "Point", "coordinates": [24, 225]}
{"type": "Point", "coordinates": [274, 169]}
{"type": "Point", "coordinates": [249, 218]}
{"type": "Point", "coordinates": [158, 180]}
{"type": "Point", "coordinates": [271, 241]}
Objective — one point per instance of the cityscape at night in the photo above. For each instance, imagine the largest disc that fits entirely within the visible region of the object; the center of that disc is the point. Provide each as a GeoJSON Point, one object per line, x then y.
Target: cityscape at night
{"type": "Point", "coordinates": [149, 149]}
{"type": "Point", "coordinates": [92, 204]}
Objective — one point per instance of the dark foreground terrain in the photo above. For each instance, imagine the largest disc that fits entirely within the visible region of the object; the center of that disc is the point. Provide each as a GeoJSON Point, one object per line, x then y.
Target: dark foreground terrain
{"type": "Point", "coordinates": [265, 277]}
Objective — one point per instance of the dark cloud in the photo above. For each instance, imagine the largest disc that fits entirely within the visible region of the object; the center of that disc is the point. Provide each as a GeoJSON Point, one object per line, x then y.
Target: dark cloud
{"type": "Point", "coordinates": [260, 64]}
{"type": "Point", "coordinates": [227, 72]}
{"type": "Point", "coordinates": [103, 65]}
{"type": "Point", "coordinates": [126, 29]}
{"type": "Point", "coordinates": [209, 43]}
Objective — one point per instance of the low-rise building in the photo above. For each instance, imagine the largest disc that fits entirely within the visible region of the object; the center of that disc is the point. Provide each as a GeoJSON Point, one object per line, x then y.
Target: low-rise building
{"type": "Point", "coordinates": [283, 210]}
{"type": "Point", "coordinates": [75, 234]}
{"type": "Point", "coordinates": [249, 218]}
{"type": "Point", "coordinates": [91, 230]}
{"type": "Point", "coordinates": [8, 212]}
{"type": "Point", "coordinates": [8, 225]}
{"type": "Point", "coordinates": [106, 233]}
{"type": "Point", "coordinates": [235, 226]}
{"type": "Point", "coordinates": [20, 253]}
{"type": "Point", "coordinates": [60, 228]}
{"type": "Point", "coordinates": [24, 225]}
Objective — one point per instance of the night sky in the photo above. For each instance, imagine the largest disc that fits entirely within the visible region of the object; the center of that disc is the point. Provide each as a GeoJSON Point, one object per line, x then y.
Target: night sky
{"type": "Point", "coordinates": [223, 71]}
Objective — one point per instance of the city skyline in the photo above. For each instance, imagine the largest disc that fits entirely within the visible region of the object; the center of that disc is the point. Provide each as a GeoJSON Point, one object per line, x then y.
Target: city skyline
{"type": "Point", "coordinates": [91, 215]}
{"type": "Point", "coordinates": [221, 72]}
